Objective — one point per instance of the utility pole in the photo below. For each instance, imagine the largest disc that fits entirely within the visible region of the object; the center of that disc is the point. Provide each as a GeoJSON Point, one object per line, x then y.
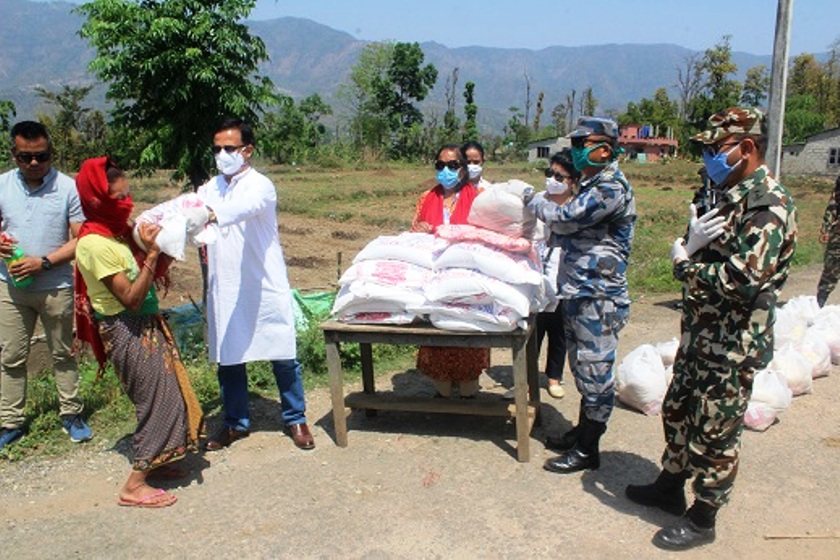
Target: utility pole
{"type": "Point", "coordinates": [778, 85]}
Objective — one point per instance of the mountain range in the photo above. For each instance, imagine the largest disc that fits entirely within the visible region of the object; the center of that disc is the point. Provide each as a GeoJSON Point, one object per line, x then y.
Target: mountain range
{"type": "Point", "coordinates": [40, 46]}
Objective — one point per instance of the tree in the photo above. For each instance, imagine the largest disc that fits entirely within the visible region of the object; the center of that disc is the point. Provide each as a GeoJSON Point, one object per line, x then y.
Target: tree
{"type": "Point", "coordinates": [175, 68]}
{"type": "Point", "coordinates": [8, 111]}
{"type": "Point", "coordinates": [77, 132]}
{"type": "Point", "coordinates": [802, 118]}
{"type": "Point", "coordinates": [539, 111]}
{"type": "Point", "coordinates": [405, 82]}
{"type": "Point", "coordinates": [450, 119]}
{"type": "Point", "coordinates": [294, 133]}
{"type": "Point", "coordinates": [588, 103]}
{"type": "Point", "coordinates": [689, 83]}
{"type": "Point", "coordinates": [368, 126]}
{"type": "Point", "coordinates": [470, 112]}
{"type": "Point", "coordinates": [756, 86]}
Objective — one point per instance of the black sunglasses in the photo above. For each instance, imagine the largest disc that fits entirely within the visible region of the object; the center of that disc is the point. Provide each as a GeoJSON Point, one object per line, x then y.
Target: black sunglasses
{"type": "Point", "coordinates": [556, 174]}
{"type": "Point", "coordinates": [454, 165]}
{"type": "Point", "coordinates": [228, 149]}
{"type": "Point", "coordinates": [27, 157]}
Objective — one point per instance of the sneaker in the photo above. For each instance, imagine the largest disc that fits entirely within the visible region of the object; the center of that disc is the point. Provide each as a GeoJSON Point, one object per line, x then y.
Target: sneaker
{"type": "Point", "coordinates": [76, 427]}
{"type": "Point", "coordinates": [9, 435]}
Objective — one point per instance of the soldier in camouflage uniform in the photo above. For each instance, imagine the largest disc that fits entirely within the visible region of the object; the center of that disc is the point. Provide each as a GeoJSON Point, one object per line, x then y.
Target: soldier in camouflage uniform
{"type": "Point", "coordinates": [830, 236]}
{"type": "Point", "coordinates": [733, 267]}
{"type": "Point", "coordinates": [594, 231]}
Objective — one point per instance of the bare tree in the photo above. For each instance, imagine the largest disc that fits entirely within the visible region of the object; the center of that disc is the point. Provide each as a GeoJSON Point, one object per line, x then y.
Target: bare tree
{"type": "Point", "coordinates": [689, 82]}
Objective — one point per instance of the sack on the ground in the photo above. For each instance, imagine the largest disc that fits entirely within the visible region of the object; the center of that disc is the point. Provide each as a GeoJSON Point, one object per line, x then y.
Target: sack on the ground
{"type": "Point", "coordinates": [759, 416]}
{"type": "Point", "coordinates": [668, 351]}
{"type": "Point", "coordinates": [827, 327]}
{"type": "Point", "coordinates": [640, 382]}
{"type": "Point", "coordinates": [817, 352]}
{"type": "Point", "coordinates": [770, 388]}
{"type": "Point", "coordinates": [804, 307]}
{"type": "Point", "coordinates": [790, 328]}
{"type": "Point", "coordinates": [794, 367]}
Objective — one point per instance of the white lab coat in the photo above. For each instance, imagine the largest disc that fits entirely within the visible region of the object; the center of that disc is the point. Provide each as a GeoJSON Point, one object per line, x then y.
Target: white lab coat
{"type": "Point", "coordinates": [249, 301]}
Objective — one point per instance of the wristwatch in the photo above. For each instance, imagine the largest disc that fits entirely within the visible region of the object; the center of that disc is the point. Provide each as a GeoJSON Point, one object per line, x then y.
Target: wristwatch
{"type": "Point", "coordinates": [46, 264]}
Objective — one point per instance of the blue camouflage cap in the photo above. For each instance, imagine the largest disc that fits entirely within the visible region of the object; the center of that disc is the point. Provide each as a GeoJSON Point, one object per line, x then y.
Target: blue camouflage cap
{"type": "Point", "coordinates": [734, 120]}
{"type": "Point", "coordinates": [597, 126]}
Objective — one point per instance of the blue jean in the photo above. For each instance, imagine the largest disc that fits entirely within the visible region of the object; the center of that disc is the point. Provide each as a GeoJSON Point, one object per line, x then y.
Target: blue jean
{"type": "Point", "coordinates": [233, 382]}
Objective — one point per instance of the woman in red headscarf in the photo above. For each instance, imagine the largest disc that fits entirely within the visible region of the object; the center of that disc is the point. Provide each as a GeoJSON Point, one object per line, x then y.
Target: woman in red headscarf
{"type": "Point", "coordinates": [117, 314]}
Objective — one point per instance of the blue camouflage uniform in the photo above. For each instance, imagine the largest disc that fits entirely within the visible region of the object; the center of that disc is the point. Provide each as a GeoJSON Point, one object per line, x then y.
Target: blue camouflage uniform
{"type": "Point", "coordinates": [595, 230]}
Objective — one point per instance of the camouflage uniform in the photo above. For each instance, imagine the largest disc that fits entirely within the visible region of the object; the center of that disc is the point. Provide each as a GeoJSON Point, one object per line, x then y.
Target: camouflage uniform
{"type": "Point", "coordinates": [831, 262]}
{"type": "Point", "coordinates": [594, 230]}
{"type": "Point", "coordinates": [729, 294]}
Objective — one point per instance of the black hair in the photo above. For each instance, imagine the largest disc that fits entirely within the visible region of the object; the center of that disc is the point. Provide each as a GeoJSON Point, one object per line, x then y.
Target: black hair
{"type": "Point", "coordinates": [563, 158]}
{"type": "Point", "coordinates": [112, 170]}
{"type": "Point", "coordinates": [473, 145]}
{"type": "Point", "coordinates": [30, 130]}
{"type": "Point", "coordinates": [245, 130]}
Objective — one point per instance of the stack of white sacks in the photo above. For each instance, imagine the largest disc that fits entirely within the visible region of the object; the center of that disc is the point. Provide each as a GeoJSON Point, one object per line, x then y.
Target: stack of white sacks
{"type": "Point", "coordinates": [479, 277]}
{"type": "Point", "coordinates": [807, 343]}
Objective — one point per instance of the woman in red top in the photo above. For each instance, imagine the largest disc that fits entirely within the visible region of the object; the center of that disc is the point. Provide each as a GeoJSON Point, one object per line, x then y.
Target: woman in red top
{"type": "Point", "coordinates": [449, 202]}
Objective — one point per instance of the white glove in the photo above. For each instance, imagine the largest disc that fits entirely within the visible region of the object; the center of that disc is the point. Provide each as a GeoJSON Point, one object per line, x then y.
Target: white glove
{"type": "Point", "coordinates": [678, 252]}
{"type": "Point", "coordinates": [703, 230]}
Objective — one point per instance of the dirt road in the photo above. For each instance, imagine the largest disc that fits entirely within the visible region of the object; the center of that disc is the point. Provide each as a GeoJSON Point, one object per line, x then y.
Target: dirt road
{"type": "Point", "coordinates": [435, 486]}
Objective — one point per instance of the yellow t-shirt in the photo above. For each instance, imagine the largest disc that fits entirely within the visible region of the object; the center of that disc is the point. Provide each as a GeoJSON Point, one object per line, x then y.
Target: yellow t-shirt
{"type": "Point", "coordinates": [99, 257]}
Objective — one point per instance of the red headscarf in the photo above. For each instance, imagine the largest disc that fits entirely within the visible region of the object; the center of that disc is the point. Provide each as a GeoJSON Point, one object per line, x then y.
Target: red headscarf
{"type": "Point", "coordinates": [431, 211]}
{"type": "Point", "coordinates": [107, 217]}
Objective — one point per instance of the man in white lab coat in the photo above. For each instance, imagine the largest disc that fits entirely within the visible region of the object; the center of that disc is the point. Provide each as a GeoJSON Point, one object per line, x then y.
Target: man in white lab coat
{"type": "Point", "coordinates": [249, 301]}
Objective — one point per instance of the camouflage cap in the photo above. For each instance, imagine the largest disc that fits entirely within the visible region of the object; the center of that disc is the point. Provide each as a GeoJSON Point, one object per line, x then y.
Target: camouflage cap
{"type": "Point", "coordinates": [734, 120]}
{"type": "Point", "coordinates": [599, 126]}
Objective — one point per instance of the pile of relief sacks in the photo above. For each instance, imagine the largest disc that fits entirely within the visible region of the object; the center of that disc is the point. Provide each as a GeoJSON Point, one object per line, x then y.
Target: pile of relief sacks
{"type": "Point", "coordinates": [484, 276]}
{"type": "Point", "coordinates": [806, 344]}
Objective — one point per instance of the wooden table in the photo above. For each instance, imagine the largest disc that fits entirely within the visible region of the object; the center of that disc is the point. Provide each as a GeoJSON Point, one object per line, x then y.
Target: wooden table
{"type": "Point", "coordinates": [522, 343]}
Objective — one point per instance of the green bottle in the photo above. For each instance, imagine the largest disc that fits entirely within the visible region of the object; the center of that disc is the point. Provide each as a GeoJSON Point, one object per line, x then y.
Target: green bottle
{"type": "Point", "coordinates": [17, 254]}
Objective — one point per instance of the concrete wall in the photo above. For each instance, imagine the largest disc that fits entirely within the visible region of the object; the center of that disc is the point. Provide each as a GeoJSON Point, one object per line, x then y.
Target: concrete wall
{"type": "Point", "coordinates": [551, 146]}
{"type": "Point", "coordinates": [812, 158]}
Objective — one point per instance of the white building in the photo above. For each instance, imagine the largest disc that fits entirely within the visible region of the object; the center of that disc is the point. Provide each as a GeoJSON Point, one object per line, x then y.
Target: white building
{"type": "Point", "coordinates": [818, 155]}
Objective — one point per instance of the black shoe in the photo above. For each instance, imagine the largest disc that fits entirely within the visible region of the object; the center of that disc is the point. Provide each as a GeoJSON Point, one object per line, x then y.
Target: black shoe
{"type": "Point", "coordinates": [564, 442]}
{"type": "Point", "coordinates": [572, 461]}
{"type": "Point", "coordinates": [653, 495]}
{"type": "Point", "coordinates": [683, 535]}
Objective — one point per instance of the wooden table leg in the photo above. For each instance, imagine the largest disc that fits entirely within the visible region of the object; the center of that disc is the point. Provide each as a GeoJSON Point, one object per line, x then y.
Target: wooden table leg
{"type": "Point", "coordinates": [532, 355]}
{"type": "Point", "coordinates": [520, 389]}
{"type": "Point", "coordinates": [368, 380]}
{"type": "Point", "coordinates": [336, 390]}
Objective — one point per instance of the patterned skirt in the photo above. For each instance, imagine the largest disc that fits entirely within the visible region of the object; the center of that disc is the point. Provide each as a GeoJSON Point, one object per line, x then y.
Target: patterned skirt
{"type": "Point", "coordinates": [445, 363]}
{"type": "Point", "coordinates": [145, 357]}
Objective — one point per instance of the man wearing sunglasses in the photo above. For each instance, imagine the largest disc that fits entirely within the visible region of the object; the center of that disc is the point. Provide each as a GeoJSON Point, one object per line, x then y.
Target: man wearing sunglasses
{"type": "Point", "coordinates": [594, 231]}
{"type": "Point", "coordinates": [41, 215]}
{"type": "Point", "coordinates": [249, 301]}
{"type": "Point", "coordinates": [733, 267]}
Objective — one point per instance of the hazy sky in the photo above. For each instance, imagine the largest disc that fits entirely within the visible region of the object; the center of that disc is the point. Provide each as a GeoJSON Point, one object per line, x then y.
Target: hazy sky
{"type": "Point", "coordinates": [535, 24]}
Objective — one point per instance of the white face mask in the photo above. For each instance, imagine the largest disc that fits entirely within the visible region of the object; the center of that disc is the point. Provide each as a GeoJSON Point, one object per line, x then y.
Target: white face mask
{"type": "Point", "coordinates": [474, 170]}
{"type": "Point", "coordinates": [228, 164]}
{"type": "Point", "coordinates": [553, 186]}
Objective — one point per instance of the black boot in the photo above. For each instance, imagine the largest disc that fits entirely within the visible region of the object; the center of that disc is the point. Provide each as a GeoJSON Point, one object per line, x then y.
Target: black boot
{"type": "Point", "coordinates": [584, 454]}
{"type": "Point", "coordinates": [695, 528]}
{"type": "Point", "coordinates": [666, 493]}
{"type": "Point", "coordinates": [567, 440]}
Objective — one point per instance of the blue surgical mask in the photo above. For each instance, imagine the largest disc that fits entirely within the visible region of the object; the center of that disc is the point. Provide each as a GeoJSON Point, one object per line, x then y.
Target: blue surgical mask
{"type": "Point", "coordinates": [447, 178]}
{"type": "Point", "coordinates": [716, 166]}
{"type": "Point", "coordinates": [580, 157]}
